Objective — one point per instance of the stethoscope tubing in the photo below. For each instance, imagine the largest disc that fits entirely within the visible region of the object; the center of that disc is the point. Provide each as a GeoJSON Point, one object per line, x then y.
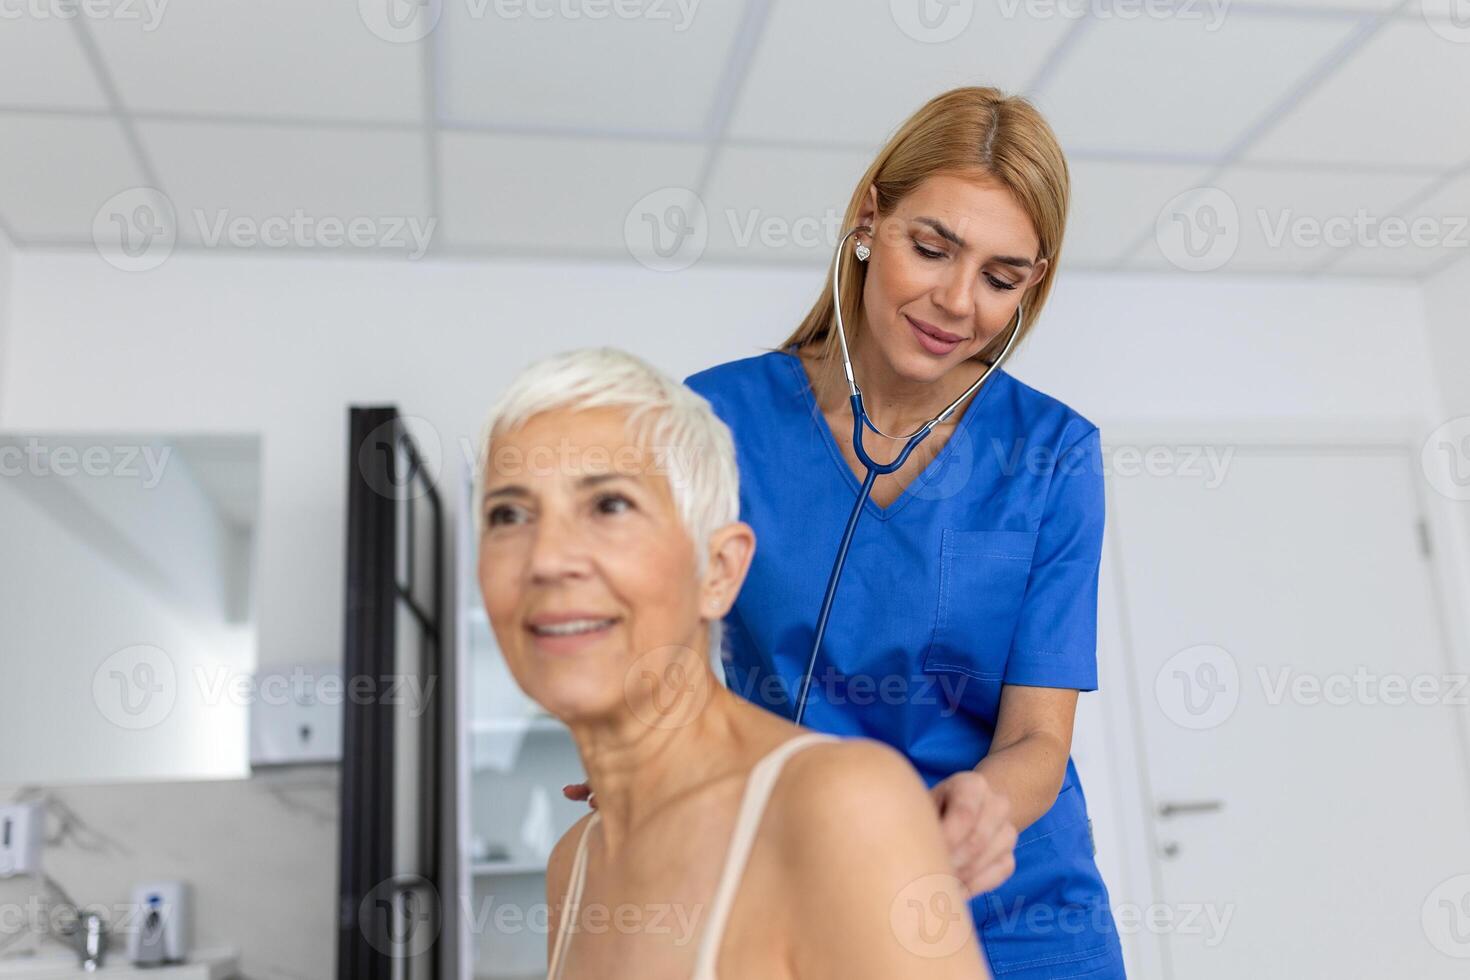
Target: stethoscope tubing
{"type": "Point", "coordinates": [874, 469]}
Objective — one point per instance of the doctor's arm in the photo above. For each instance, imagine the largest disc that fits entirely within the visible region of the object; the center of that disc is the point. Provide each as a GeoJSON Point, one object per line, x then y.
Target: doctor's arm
{"type": "Point", "coordinates": [1028, 756]}
{"type": "Point", "coordinates": [1053, 657]}
{"type": "Point", "coordinates": [982, 811]}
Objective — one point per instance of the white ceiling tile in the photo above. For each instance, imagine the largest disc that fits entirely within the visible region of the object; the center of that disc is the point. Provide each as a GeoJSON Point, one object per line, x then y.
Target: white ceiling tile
{"type": "Point", "coordinates": [273, 58]}
{"type": "Point", "coordinates": [57, 171]}
{"type": "Point", "coordinates": [1443, 224]}
{"type": "Point", "coordinates": [554, 192]}
{"type": "Point", "coordinates": [42, 65]}
{"type": "Point", "coordinates": [221, 172]}
{"type": "Point", "coordinates": [654, 72]}
{"type": "Point", "coordinates": [780, 203]}
{"type": "Point", "coordinates": [1399, 101]}
{"type": "Point", "coordinates": [1115, 202]}
{"type": "Point", "coordinates": [833, 70]}
{"type": "Point", "coordinates": [1180, 85]}
{"type": "Point", "coordinates": [1291, 220]}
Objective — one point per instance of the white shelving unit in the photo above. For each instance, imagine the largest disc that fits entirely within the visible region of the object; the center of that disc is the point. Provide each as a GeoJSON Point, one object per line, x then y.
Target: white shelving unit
{"type": "Point", "coordinates": [513, 761]}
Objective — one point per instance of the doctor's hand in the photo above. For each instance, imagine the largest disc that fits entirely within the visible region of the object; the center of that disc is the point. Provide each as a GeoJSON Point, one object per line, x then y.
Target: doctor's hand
{"type": "Point", "coordinates": [976, 820]}
{"type": "Point", "coordinates": [579, 791]}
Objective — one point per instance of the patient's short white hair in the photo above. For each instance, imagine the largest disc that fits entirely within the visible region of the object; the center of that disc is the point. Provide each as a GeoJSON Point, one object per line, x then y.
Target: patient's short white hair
{"type": "Point", "coordinates": [689, 443]}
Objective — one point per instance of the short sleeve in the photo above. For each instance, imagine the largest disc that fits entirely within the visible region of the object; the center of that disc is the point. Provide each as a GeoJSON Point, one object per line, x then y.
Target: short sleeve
{"type": "Point", "coordinates": [1055, 642]}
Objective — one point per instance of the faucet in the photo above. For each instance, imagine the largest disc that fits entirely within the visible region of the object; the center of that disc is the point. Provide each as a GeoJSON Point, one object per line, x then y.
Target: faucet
{"type": "Point", "coordinates": [94, 942]}
{"type": "Point", "coordinates": [87, 937]}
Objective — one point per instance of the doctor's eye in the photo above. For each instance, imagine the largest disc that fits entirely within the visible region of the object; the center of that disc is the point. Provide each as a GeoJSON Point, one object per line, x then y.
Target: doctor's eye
{"type": "Point", "coordinates": [999, 283]}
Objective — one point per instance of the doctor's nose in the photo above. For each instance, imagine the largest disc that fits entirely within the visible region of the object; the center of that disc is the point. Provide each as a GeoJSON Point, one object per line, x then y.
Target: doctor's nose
{"type": "Point", "coordinates": [955, 295]}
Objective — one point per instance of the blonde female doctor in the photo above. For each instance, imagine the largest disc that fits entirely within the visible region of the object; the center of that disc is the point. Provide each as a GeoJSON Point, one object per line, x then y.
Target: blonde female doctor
{"type": "Point", "coordinates": [965, 623]}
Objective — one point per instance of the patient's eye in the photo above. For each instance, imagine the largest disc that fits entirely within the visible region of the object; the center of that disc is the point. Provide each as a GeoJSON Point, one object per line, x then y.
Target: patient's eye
{"type": "Point", "coordinates": [504, 514]}
{"type": "Point", "coordinates": [612, 503]}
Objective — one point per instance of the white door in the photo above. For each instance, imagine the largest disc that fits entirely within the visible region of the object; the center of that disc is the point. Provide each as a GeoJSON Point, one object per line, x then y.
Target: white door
{"type": "Point", "coordinates": [1303, 729]}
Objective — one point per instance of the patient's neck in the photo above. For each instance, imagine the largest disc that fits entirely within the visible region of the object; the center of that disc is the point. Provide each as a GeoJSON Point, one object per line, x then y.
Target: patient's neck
{"type": "Point", "coordinates": [635, 769]}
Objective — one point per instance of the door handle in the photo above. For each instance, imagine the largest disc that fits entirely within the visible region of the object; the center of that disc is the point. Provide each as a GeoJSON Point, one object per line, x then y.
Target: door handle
{"type": "Point", "coordinates": [1186, 807]}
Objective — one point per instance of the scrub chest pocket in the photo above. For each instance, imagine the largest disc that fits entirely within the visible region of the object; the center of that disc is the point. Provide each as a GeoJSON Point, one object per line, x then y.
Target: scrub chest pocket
{"type": "Point", "coordinates": [982, 580]}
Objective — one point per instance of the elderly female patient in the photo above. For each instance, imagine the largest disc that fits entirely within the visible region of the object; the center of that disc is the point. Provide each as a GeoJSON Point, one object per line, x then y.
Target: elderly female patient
{"type": "Point", "coordinates": [726, 841]}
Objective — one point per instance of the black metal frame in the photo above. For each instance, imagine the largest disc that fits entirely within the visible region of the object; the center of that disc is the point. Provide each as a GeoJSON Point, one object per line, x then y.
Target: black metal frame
{"type": "Point", "coordinates": [375, 597]}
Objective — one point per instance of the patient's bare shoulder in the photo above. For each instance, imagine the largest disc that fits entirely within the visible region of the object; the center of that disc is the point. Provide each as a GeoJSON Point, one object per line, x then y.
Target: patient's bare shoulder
{"type": "Point", "coordinates": [859, 836]}
{"type": "Point", "coordinates": [558, 877]}
{"type": "Point", "coordinates": [824, 785]}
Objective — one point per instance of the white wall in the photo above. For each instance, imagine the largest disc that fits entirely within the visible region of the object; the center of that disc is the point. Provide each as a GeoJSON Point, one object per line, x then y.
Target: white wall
{"type": "Point", "coordinates": [282, 346]}
{"type": "Point", "coordinates": [7, 252]}
{"type": "Point", "coordinates": [1447, 321]}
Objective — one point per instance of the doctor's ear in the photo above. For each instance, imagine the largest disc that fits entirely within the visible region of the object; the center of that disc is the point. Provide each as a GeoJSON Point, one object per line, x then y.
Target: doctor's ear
{"type": "Point", "coordinates": [868, 214]}
{"type": "Point", "coordinates": [727, 561]}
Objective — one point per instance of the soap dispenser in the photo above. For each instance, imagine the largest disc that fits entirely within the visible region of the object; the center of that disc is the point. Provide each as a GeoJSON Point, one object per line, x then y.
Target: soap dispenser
{"type": "Point", "coordinates": [160, 927]}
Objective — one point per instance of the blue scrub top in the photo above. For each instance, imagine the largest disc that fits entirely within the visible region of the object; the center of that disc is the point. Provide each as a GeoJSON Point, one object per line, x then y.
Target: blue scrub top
{"type": "Point", "coordinates": [982, 573]}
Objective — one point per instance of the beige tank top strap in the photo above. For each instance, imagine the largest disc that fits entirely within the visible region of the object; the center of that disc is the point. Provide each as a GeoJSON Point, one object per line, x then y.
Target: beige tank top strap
{"type": "Point", "coordinates": [571, 907]}
{"type": "Point", "coordinates": [757, 792]}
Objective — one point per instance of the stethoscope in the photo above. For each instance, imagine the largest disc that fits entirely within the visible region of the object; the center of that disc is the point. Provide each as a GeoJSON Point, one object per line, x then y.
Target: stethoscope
{"type": "Point", "coordinates": [859, 421]}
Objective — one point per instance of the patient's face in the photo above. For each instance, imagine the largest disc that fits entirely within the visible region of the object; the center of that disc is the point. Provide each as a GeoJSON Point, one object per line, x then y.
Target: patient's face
{"type": "Point", "coordinates": [584, 563]}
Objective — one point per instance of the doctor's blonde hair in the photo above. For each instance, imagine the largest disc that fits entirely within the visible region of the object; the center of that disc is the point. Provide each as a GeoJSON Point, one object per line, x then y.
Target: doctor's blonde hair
{"type": "Point", "coordinates": [978, 133]}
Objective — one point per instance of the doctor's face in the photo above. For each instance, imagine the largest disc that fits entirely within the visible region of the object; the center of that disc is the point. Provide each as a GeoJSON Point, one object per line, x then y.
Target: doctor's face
{"type": "Point", "coordinates": [948, 270]}
{"type": "Point", "coordinates": [584, 563]}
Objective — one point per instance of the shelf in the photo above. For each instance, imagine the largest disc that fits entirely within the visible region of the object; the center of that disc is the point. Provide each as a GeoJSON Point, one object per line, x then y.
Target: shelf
{"type": "Point", "coordinates": [531, 723]}
{"type": "Point", "coordinates": [487, 869]}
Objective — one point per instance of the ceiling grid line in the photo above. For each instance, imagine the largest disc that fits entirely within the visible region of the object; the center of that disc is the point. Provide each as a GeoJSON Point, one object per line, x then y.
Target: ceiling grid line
{"type": "Point", "coordinates": [753, 20]}
{"type": "Point", "coordinates": [1330, 63]}
{"type": "Point", "coordinates": [119, 107]}
{"type": "Point", "coordinates": [1058, 54]}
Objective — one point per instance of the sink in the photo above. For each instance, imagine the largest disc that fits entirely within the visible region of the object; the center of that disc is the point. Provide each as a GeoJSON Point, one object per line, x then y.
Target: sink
{"type": "Point", "coordinates": [206, 964]}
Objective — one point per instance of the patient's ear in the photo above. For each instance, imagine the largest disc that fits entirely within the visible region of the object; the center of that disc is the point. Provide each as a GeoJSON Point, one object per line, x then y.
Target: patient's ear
{"type": "Point", "coordinates": [730, 550]}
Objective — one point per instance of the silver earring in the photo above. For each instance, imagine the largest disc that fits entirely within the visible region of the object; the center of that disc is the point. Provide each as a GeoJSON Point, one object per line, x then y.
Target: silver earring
{"type": "Point", "coordinates": [862, 252]}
